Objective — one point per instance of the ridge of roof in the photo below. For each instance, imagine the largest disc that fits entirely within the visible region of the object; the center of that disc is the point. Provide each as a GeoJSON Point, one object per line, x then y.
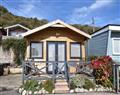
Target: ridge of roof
{"type": "Point", "coordinates": [17, 25]}
{"type": "Point", "coordinates": [105, 27]}
{"type": "Point", "coordinates": [55, 22]}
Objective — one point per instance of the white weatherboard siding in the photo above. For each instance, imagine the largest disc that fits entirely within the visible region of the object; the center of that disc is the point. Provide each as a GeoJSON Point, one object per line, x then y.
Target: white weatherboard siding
{"type": "Point", "coordinates": [113, 35]}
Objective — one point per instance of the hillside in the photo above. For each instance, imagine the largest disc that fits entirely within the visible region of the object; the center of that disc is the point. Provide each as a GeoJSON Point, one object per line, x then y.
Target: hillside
{"type": "Point", "coordinates": [7, 18]}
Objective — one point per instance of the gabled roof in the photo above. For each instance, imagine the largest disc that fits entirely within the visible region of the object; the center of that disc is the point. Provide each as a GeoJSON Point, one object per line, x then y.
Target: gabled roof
{"type": "Point", "coordinates": [114, 27]}
{"type": "Point", "coordinates": [16, 25]}
{"type": "Point", "coordinates": [55, 23]}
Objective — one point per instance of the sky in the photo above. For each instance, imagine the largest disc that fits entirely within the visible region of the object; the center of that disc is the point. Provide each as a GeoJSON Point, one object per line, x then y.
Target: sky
{"type": "Point", "coordinates": [70, 11]}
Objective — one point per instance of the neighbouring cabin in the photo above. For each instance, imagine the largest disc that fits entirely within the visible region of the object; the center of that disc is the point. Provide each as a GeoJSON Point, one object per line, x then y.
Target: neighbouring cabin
{"type": "Point", "coordinates": [105, 41]}
{"type": "Point", "coordinates": [2, 32]}
{"type": "Point", "coordinates": [5, 57]}
{"type": "Point", "coordinates": [12, 31]}
{"type": "Point", "coordinates": [16, 29]}
{"type": "Point", "coordinates": [55, 41]}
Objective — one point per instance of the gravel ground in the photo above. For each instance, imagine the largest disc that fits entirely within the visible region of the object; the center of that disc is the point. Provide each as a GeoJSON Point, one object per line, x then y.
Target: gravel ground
{"type": "Point", "coordinates": [11, 81]}
{"type": "Point", "coordinates": [12, 92]}
{"type": "Point", "coordinates": [10, 85]}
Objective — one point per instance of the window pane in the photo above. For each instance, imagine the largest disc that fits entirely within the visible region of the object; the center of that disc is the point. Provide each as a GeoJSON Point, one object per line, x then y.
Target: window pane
{"type": "Point", "coordinates": [13, 33]}
{"type": "Point", "coordinates": [36, 50]}
{"type": "Point", "coordinates": [75, 50]}
{"type": "Point", "coordinates": [116, 46]}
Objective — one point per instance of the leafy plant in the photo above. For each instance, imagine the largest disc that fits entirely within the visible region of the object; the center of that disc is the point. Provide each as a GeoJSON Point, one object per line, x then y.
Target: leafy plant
{"type": "Point", "coordinates": [48, 86]}
{"type": "Point", "coordinates": [72, 85]}
{"type": "Point", "coordinates": [81, 82]}
{"type": "Point", "coordinates": [77, 81]}
{"type": "Point", "coordinates": [88, 84]}
{"type": "Point", "coordinates": [92, 57]}
{"type": "Point", "coordinates": [107, 83]}
{"type": "Point", "coordinates": [18, 46]}
{"type": "Point", "coordinates": [32, 85]}
{"type": "Point", "coordinates": [102, 70]}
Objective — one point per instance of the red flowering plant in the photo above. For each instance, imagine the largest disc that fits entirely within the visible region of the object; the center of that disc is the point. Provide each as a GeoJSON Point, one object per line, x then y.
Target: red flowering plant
{"type": "Point", "coordinates": [102, 70]}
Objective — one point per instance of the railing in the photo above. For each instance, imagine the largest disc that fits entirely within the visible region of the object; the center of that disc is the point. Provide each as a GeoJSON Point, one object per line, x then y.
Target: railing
{"type": "Point", "coordinates": [32, 71]}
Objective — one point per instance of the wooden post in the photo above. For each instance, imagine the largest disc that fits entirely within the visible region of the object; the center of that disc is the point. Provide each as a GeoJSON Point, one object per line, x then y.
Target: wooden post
{"type": "Point", "coordinates": [114, 76]}
{"type": "Point", "coordinates": [66, 71]}
{"type": "Point", "coordinates": [7, 32]}
{"type": "Point", "coordinates": [23, 72]}
{"type": "Point", "coordinates": [117, 79]}
{"type": "Point", "coordinates": [53, 71]}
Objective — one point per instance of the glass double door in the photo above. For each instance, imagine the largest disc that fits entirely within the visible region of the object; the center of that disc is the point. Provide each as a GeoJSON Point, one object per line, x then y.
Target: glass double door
{"type": "Point", "coordinates": [56, 52]}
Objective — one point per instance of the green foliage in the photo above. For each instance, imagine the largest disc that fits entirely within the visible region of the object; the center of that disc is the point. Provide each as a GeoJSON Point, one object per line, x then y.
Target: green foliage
{"type": "Point", "coordinates": [88, 84]}
{"type": "Point", "coordinates": [77, 81]}
{"type": "Point", "coordinates": [102, 70]}
{"type": "Point", "coordinates": [18, 47]}
{"type": "Point", "coordinates": [107, 83]}
{"type": "Point", "coordinates": [32, 85]}
{"type": "Point", "coordinates": [72, 85]}
{"type": "Point", "coordinates": [7, 19]}
{"type": "Point", "coordinates": [48, 86]}
{"type": "Point", "coordinates": [92, 57]}
{"type": "Point", "coordinates": [81, 82]}
{"type": "Point", "coordinates": [86, 28]}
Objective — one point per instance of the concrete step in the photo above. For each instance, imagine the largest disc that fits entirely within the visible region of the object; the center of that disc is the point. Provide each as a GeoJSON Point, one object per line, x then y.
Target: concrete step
{"type": "Point", "coordinates": [61, 83]}
{"type": "Point", "coordinates": [61, 80]}
{"type": "Point", "coordinates": [61, 87]}
{"type": "Point", "coordinates": [64, 89]}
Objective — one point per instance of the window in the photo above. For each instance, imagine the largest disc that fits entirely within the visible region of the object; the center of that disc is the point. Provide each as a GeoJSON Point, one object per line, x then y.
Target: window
{"type": "Point", "coordinates": [13, 33]}
{"type": "Point", "coordinates": [116, 46]}
{"type": "Point", "coordinates": [75, 50]}
{"type": "Point", "coordinates": [36, 50]}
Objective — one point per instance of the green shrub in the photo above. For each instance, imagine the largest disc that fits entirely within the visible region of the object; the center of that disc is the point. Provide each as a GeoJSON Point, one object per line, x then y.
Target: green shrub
{"type": "Point", "coordinates": [107, 83]}
{"type": "Point", "coordinates": [102, 70]}
{"type": "Point", "coordinates": [77, 81]}
{"type": "Point", "coordinates": [92, 57]}
{"type": "Point", "coordinates": [81, 82]}
{"type": "Point", "coordinates": [32, 85]}
{"type": "Point", "coordinates": [18, 46]}
{"type": "Point", "coordinates": [48, 86]}
{"type": "Point", "coordinates": [88, 84]}
{"type": "Point", "coordinates": [72, 85]}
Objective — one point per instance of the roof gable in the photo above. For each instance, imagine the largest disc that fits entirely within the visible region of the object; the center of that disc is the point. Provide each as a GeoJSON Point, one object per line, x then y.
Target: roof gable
{"type": "Point", "coordinates": [16, 25]}
{"type": "Point", "coordinates": [56, 23]}
{"type": "Point", "coordinates": [106, 28]}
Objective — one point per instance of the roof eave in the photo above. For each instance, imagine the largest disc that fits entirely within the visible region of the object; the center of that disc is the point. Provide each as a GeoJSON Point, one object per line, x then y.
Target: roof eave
{"type": "Point", "coordinates": [54, 22]}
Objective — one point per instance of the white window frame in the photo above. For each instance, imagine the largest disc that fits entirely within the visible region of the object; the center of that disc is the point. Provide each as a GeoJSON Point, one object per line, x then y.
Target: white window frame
{"type": "Point", "coordinates": [113, 46]}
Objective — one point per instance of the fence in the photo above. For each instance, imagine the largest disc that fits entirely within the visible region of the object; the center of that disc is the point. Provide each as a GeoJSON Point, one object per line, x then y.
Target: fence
{"type": "Point", "coordinates": [31, 70]}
